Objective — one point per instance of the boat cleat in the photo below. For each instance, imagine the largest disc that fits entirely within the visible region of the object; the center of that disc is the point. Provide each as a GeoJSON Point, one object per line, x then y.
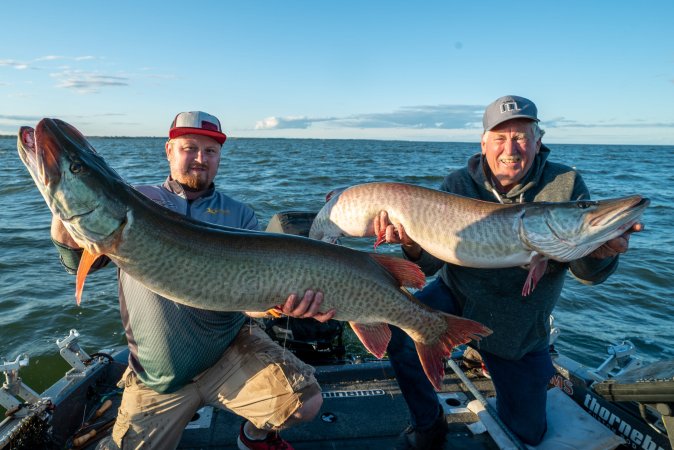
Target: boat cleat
{"type": "Point", "coordinates": [13, 387]}
{"type": "Point", "coordinates": [73, 354]}
{"type": "Point", "coordinates": [619, 360]}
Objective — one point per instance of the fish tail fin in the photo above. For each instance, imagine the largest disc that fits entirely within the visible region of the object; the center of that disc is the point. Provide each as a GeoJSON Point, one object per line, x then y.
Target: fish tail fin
{"type": "Point", "coordinates": [374, 336]}
{"type": "Point", "coordinates": [86, 261]}
{"type": "Point", "coordinates": [406, 272]}
{"type": "Point", "coordinates": [459, 331]}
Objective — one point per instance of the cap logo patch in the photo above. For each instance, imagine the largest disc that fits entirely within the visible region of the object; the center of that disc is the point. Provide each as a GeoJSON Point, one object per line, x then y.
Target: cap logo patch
{"type": "Point", "coordinates": [509, 106]}
{"type": "Point", "coordinates": [209, 126]}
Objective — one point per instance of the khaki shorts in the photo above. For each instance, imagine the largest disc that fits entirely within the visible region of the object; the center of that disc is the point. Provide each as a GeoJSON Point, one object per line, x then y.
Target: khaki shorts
{"type": "Point", "coordinates": [255, 378]}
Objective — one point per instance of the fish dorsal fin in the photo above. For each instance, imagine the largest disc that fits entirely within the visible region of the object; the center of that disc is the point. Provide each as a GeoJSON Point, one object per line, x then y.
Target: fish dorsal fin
{"type": "Point", "coordinates": [406, 272]}
{"type": "Point", "coordinates": [86, 262]}
{"type": "Point", "coordinates": [374, 336]}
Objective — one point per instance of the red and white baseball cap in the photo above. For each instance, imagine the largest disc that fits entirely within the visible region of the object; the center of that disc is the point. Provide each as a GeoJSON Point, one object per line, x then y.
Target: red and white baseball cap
{"type": "Point", "coordinates": [197, 122]}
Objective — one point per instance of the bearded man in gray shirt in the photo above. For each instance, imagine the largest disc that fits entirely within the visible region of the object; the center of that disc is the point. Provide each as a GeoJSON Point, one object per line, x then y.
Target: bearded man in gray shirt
{"type": "Point", "coordinates": [181, 358]}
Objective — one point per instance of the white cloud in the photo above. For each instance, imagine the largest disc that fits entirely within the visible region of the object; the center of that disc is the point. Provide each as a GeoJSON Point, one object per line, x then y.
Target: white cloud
{"type": "Point", "coordinates": [429, 117]}
{"type": "Point", "coordinates": [69, 58]}
{"type": "Point", "coordinates": [412, 117]}
{"type": "Point", "coordinates": [88, 82]}
{"type": "Point", "coordinates": [23, 65]}
{"type": "Point", "coordinates": [277, 123]}
{"type": "Point", "coordinates": [15, 64]}
{"type": "Point", "coordinates": [17, 117]}
{"type": "Point", "coordinates": [49, 58]}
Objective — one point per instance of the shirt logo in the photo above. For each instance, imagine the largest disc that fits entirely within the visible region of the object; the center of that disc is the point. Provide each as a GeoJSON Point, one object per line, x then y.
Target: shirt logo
{"type": "Point", "coordinates": [215, 211]}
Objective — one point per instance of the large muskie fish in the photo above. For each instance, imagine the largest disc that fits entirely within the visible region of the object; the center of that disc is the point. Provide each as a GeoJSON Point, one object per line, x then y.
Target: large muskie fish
{"type": "Point", "coordinates": [226, 269]}
{"type": "Point", "coordinates": [475, 233]}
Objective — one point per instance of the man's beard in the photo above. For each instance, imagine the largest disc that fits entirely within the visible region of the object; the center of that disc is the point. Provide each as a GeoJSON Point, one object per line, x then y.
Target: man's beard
{"type": "Point", "coordinates": [195, 182]}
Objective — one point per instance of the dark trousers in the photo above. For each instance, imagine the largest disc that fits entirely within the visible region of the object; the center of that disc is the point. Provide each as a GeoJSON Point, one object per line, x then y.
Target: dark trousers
{"type": "Point", "coordinates": [521, 385]}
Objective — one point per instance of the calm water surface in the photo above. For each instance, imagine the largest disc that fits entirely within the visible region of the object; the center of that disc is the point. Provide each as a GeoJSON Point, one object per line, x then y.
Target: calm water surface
{"type": "Point", "coordinates": [37, 304]}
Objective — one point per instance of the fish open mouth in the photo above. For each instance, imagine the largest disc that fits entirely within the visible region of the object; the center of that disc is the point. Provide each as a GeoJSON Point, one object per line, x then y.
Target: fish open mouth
{"type": "Point", "coordinates": [634, 207]}
{"type": "Point", "coordinates": [644, 202]}
{"type": "Point", "coordinates": [77, 216]}
{"type": "Point", "coordinates": [27, 147]}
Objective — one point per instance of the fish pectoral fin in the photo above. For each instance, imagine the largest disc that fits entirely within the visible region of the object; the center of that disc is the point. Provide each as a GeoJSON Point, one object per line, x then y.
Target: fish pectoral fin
{"type": "Point", "coordinates": [459, 331]}
{"type": "Point", "coordinates": [374, 336]}
{"type": "Point", "coordinates": [537, 268]}
{"type": "Point", "coordinates": [381, 238]}
{"type": "Point", "coordinates": [86, 261]}
{"type": "Point", "coordinates": [405, 272]}
{"type": "Point", "coordinates": [276, 311]}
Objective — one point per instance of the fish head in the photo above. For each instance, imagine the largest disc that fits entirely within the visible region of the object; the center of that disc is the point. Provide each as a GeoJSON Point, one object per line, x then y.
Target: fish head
{"type": "Point", "coordinates": [74, 180]}
{"type": "Point", "coordinates": [570, 230]}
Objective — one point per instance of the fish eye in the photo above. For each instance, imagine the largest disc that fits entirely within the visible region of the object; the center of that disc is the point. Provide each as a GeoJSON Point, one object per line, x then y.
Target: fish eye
{"type": "Point", "coordinates": [584, 204]}
{"type": "Point", "coordinates": [76, 167]}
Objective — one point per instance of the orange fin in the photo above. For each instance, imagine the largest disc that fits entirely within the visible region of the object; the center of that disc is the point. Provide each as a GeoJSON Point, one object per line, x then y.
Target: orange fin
{"type": "Point", "coordinates": [86, 262]}
{"type": "Point", "coordinates": [459, 331]}
{"type": "Point", "coordinates": [406, 272]}
{"type": "Point", "coordinates": [276, 311]}
{"type": "Point", "coordinates": [374, 336]}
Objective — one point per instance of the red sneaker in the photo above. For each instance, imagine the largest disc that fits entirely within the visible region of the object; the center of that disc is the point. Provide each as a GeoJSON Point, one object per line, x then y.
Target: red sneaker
{"type": "Point", "coordinates": [485, 372]}
{"type": "Point", "coordinates": [272, 442]}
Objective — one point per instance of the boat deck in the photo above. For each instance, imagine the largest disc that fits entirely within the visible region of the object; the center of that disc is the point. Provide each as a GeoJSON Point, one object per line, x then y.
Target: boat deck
{"type": "Point", "coordinates": [362, 408]}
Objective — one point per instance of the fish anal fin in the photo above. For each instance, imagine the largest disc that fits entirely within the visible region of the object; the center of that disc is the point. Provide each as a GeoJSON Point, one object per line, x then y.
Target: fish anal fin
{"type": "Point", "coordinates": [374, 336]}
{"type": "Point", "coordinates": [537, 268]}
{"type": "Point", "coordinates": [459, 331]}
{"type": "Point", "coordinates": [406, 272]}
{"type": "Point", "coordinates": [86, 262]}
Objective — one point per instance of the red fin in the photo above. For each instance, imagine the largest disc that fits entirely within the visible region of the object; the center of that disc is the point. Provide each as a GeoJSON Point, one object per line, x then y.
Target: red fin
{"type": "Point", "coordinates": [381, 238]}
{"type": "Point", "coordinates": [459, 331]}
{"type": "Point", "coordinates": [536, 271]}
{"type": "Point", "coordinates": [374, 336]}
{"type": "Point", "coordinates": [406, 272]}
{"type": "Point", "coordinates": [86, 262]}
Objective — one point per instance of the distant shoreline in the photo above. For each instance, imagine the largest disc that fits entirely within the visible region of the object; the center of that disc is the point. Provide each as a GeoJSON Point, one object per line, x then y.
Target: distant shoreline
{"type": "Point", "coordinates": [235, 138]}
{"type": "Point", "coordinates": [476, 143]}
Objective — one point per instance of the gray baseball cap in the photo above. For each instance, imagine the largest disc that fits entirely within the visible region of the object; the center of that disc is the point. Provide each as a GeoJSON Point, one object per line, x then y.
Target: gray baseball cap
{"type": "Point", "coordinates": [507, 108]}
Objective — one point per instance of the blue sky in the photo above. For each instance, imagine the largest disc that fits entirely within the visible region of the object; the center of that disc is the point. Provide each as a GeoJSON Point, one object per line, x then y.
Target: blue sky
{"type": "Point", "coordinates": [600, 72]}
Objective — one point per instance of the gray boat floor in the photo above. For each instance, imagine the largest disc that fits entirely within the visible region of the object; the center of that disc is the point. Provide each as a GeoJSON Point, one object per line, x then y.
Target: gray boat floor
{"type": "Point", "coordinates": [362, 409]}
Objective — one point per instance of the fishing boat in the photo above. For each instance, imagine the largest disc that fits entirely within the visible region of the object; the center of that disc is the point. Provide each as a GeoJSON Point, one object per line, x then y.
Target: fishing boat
{"type": "Point", "coordinates": [623, 403]}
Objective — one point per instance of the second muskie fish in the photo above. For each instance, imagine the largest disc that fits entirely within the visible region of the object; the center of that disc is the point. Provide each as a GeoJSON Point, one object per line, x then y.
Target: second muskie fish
{"type": "Point", "coordinates": [226, 269]}
{"type": "Point", "coordinates": [476, 233]}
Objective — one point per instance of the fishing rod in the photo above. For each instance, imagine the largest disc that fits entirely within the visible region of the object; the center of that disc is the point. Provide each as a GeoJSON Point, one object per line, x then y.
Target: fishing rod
{"type": "Point", "coordinates": [490, 409]}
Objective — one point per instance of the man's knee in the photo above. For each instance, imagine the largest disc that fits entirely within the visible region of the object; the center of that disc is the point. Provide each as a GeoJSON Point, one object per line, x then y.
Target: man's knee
{"type": "Point", "coordinates": [309, 409]}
